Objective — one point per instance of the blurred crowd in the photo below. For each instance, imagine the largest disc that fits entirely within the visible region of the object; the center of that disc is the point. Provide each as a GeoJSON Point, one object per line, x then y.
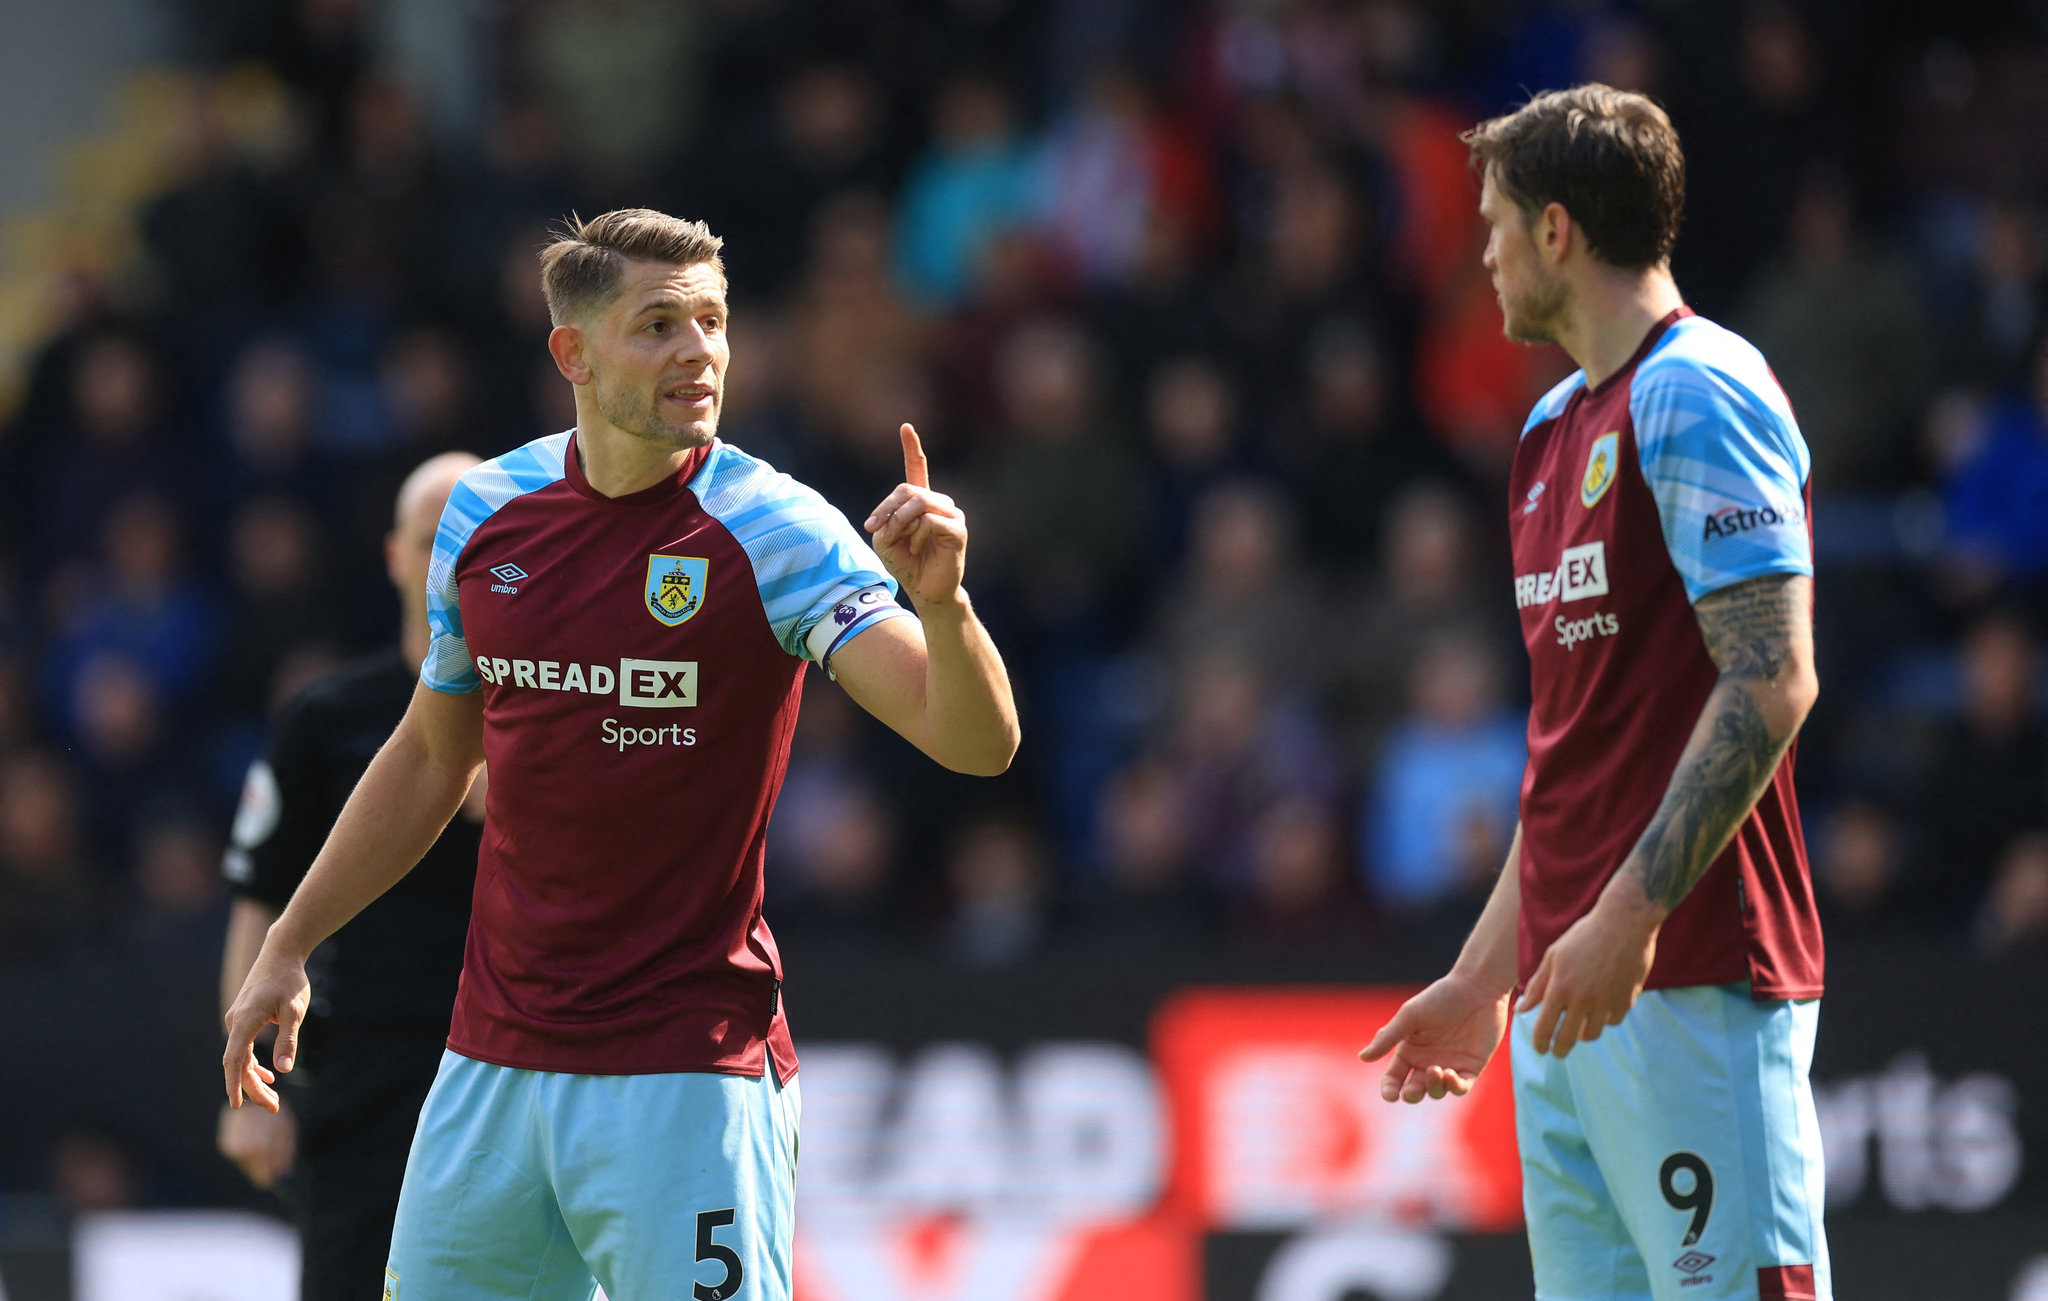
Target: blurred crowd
{"type": "Point", "coordinates": [1187, 303]}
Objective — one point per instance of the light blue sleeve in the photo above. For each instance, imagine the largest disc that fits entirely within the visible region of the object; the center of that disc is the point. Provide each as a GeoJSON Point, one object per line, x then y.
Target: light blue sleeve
{"type": "Point", "coordinates": [447, 667]}
{"type": "Point", "coordinates": [478, 494]}
{"type": "Point", "coordinates": [1723, 457]}
{"type": "Point", "coordinates": [820, 582]}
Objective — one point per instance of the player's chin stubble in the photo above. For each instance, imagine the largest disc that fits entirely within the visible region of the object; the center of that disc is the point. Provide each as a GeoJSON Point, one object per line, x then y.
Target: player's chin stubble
{"type": "Point", "coordinates": [638, 414]}
{"type": "Point", "coordinates": [1532, 316]}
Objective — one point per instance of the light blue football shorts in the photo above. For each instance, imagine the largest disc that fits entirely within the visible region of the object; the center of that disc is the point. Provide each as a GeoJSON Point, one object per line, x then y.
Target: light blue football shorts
{"type": "Point", "coordinates": [539, 1186]}
{"type": "Point", "coordinates": [1677, 1155]}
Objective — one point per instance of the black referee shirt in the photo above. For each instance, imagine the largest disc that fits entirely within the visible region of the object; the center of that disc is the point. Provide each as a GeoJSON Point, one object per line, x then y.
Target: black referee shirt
{"type": "Point", "coordinates": [397, 962]}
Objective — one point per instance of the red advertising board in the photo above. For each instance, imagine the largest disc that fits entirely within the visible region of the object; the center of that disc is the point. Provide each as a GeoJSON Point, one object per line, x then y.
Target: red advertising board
{"type": "Point", "coordinates": [1276, 1123]}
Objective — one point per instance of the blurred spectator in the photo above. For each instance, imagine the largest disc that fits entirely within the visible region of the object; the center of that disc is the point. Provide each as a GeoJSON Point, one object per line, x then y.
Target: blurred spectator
{"type": "Point", "coordinates": [118, 443]}
{"type": "Point", "coordinates": [622, 77]}
{"type": "Point", "coordinates": [182, 907]}
{"type": "Point", "coordinates": [51, 895]}
{"type": "Point", "coordinates": [1347, 458]}
{"type": "Point", "coordinates": [1997, 490]}
{"type": "Point", "coordinates": [379, 220]}
{"type": "Point", "coordinates": [833, 841]}
{"type": "Point", "coordinates": [2004, 304]}
{"type": "Point", "coordinates": [1056, 496]}
{"type": "Point", "coordinates": [1236, 747]}
{"type": "Point", "coordinates": [972, 183]}
{"type": "Point", "coordinates": [1445, 798]}
{"type": "Point", "coordinates": [1988, 782]}
{"type": "Point", "coordinates": [824, 134]}
{"type": "Point", "coordinates": [1192, 433]}
{"type": "Point", "coordinates": [1298, 880]}
{"type": "Point", "coordinates": [1751, 103]}
{"type": "Point", "coordinates": [141, 602]}
{"type": "Point", "coordinates": [1242, 592]}
{"type": "Point", "coordinates": [998, 878]}
{"type": "Point", "coordinates": [224, 236]}
{"type": "Point", "coordinates": [91, 1170]}
{"type": "Point", "coordinates": [1425, 588]}
{"type": "Point", "coordinates": [1843, 327]}
{"type": "Point", "coordinates": [280, 600]}
{"type": "Point", "coordinates": [1145, 855]}
{"type": "Point", "coordinates": [1858, 868]}
{"type": "Point", "coordinates": [846, 324]}
{"type": "Point", "coordinates": [1106, 166]}
{"type": "Point", "coordinates": [270, 436]}
{"type": "Point", "coordinates": [2015, 913]}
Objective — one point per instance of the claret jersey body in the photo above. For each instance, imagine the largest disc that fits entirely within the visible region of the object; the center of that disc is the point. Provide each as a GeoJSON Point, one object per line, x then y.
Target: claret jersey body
{"type": "Point", "coordinates": [1681, 474]}
{"type": "Point", "coordinates": [641, 662]}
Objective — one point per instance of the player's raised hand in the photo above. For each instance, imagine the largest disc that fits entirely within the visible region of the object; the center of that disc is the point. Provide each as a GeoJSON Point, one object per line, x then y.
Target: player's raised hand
{"type": "Point", "coordinates": [921, 535]}
{"type": "Point", "coordinates": [276, 991]}
{"type": "Point", "coordinates": [1589, 978]}
{"type": "Point", "coordinates": [1440, 1040]}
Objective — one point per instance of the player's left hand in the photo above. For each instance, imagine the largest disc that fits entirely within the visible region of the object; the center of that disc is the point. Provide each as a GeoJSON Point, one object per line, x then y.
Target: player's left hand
{"type": "Point", "coordinates": [921, 535]}
{"type": "Point", "coordinates": [1591, 976]}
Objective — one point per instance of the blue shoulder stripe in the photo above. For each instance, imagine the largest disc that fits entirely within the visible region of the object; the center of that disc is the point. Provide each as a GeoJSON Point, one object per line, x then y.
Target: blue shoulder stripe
{"type": "Point", "coordinates": [1723, 456]}
{"type": "Point", "coordinates": [480, 493]}
{"type": "Point", "coordinates": [807, 559]}
{"type": "Point", "coordinates": [1551, 404]}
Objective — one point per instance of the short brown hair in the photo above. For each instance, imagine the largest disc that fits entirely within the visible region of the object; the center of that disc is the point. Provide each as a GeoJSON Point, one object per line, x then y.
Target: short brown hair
{"type": "Point", "coordinates": [1611, 157]}
{"type": "Point", "coordinates": [585, 262]}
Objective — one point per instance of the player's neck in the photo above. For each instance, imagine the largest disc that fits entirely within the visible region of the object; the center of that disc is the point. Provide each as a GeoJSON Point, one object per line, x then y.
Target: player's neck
{"type": "Point", "coordinates": [1610, 315]}
{"type": "Point", "coordinates": [616, 464]}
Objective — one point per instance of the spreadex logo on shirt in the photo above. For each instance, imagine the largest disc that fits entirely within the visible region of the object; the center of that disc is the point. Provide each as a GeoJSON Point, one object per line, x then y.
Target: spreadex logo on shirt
{"type": "Point", "coordinates": [1729, 521]}
{"type": "Point", "coordinates": [1581, 572]}
{"type": "Point", "coordinates": [647, 684]}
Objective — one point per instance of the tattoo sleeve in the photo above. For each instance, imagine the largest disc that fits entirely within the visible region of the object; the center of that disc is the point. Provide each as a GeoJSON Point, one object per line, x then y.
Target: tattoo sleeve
{"type": "Point", "coordinates": [1759, 634]}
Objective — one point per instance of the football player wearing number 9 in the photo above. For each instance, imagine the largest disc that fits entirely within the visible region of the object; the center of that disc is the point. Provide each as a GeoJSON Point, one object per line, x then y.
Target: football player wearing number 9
{"type": "Point", "coordinates": [1655, 910]}
{"type": "Point", "coordinates": [618, 1101]}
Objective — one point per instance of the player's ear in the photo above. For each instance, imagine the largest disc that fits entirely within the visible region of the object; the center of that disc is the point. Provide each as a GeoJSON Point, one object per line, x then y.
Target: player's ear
{"type": "Point", "coordinates": [1554, 230]}
{"type": "Point", "coordinates": [565, 344]}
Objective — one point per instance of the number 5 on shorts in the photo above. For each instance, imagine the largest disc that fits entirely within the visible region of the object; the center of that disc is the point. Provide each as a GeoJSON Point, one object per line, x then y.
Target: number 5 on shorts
{"type": "Point", "coordinates": [726, 1256]}
{"type": "Point", "coordinates": [1699, 1200]}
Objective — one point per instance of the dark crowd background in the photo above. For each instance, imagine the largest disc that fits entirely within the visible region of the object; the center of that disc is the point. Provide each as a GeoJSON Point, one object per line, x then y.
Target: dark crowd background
{"type": "Point", "coordinates": [1187, 303]}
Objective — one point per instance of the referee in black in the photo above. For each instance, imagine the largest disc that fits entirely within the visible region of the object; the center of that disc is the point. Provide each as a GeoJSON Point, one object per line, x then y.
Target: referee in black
{"type": "Point", "coordinates": [382, 991]}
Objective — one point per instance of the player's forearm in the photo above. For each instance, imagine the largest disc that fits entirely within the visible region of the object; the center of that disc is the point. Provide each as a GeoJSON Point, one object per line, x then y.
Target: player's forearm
{"type": "Point", "coordinates": [400, 806]}
{"type": "Point", "coordinates": [1489, 955]}
{"type": "Point", "coordinates": [248, 920]}
{"type": "Point", "coordinates": [970, 716]}
{"type": "Point", "coordinates": [1740, 738]}
{"type": "Point", "coordinates": [1760, 635]}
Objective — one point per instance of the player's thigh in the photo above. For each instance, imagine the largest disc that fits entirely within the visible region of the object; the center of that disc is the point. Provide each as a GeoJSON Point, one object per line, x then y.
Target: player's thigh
{"type": "Point", "coordinates": [1702, 1121]}
{"type": "Point", "coordinates": [1579, 1248]}
{"type": "Point", "coordinates": [477, 1218]}
{"type": "Point", "coordinates": [675, 1183]}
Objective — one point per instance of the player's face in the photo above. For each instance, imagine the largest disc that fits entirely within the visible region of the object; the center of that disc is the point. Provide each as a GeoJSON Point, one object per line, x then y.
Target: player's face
{"type": "Point", "coordinates": [1531, 292]}
{"type": "Point", "coordinates": [658, 355]}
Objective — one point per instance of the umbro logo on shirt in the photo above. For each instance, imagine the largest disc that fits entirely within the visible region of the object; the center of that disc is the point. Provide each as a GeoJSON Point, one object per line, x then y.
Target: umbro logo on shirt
{"type": "Point", "coordinates": [507, 574]}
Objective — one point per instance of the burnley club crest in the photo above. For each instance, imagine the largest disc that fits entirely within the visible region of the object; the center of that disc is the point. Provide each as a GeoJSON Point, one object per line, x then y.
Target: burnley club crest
{"type": "Point", "coordinates": [675, 587]}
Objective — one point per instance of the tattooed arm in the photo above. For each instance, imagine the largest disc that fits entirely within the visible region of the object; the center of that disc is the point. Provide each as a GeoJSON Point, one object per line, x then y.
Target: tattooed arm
{"type": "Point", "coordinates": [1760, 635]}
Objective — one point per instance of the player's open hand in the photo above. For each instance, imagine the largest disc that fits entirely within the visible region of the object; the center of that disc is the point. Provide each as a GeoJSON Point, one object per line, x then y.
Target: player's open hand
{"type": "Point", "coordinates": [1591, 976]}
{"type": "Point", "coordinates": [921, 535]}
{"type": "Point", "coordinates": [275, 992]}
{"type": "Point", "coordinates": [1440, 1040]}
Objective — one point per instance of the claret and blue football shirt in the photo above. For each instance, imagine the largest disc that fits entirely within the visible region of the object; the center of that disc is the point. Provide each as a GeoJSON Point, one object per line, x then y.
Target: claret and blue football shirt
{"type": "Point", "coordinates": [1682, 474]}
{"type": "Point", "coordinates": [641, 662]}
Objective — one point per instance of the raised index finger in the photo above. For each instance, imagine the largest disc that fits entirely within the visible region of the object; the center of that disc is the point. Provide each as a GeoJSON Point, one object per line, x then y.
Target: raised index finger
{"type": "Point", "coordinates": [915, 472]}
